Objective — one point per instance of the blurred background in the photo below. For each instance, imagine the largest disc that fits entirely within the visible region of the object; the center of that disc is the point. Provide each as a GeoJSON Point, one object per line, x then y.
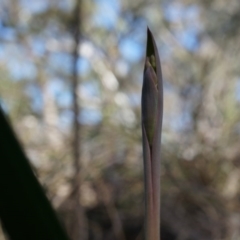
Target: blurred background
{"type": "Point", "coordinates": [199, 45]}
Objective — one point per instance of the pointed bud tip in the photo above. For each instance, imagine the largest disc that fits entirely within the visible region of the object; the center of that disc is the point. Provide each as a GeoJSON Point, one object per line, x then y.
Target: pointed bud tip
{"type": "Point", "coordinates": [149, 31]}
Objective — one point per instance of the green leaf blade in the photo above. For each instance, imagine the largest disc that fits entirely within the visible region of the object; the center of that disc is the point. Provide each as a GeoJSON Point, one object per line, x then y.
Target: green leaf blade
{"type": "Point", "coordinates": [25, 211]}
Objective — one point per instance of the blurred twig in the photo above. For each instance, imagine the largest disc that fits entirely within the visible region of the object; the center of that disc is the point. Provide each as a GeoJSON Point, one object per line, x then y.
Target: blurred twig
{"type": "Point", "coordinates": [107, 199]}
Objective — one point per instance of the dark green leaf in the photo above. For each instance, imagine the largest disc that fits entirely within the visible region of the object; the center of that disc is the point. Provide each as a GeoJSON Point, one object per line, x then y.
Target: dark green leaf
{"type": "Point", "coordinates": [25, 211]}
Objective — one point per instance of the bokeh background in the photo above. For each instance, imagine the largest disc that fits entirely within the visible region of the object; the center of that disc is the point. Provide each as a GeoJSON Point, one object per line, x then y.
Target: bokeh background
{"type": "Point", "coordinates": [199, 46]}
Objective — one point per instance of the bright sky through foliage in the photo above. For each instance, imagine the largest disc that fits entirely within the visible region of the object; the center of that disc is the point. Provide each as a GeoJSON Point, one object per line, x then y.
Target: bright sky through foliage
{"type": "Point", "coordinates": [22, 65]}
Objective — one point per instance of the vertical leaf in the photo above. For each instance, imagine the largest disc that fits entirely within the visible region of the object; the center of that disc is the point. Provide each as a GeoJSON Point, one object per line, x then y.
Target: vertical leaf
{"type": "Point", "coordinates": [25, 211]}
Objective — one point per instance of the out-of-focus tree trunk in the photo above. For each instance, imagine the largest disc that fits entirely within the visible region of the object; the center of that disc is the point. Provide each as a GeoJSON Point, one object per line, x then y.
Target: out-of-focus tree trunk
{"type": "Point", "coordinates": [76, 229]}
